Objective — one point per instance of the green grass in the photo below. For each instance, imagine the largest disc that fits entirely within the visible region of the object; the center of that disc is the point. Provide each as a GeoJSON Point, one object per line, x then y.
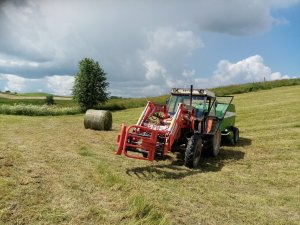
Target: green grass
{"type": "Point", "coordinates": [252, 87]}
{"type": "Point", "coordinates": [29, 94]}
{"type": "Point", "coordinates": [34, 94]}
{"type": "Point", "coordinates": [53, 171]}
{"type": "Point", "coordinates": [59, 103]}
{"type": "Point", "coordinates": [38, 110]}
{"type": "Point", "coordinates": [127, 103]}
{"type": "Point", "coordinates": [14, 105]}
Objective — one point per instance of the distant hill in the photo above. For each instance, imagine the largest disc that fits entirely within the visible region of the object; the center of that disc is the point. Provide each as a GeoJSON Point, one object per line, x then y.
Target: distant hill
{"type": "Point", "coordinates": [34, 94]}
{"type": "Point", "coordinates": [126, 103]}
{"type": "Point", "coordinates": [118, 103]}
{"type": "Point", "coordinates": [30, 95]}
{"type": "Point", "coordinates": [255, 86]}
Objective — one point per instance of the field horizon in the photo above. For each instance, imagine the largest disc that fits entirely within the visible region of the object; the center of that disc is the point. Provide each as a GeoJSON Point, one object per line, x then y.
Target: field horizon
{"type": "Point", "coordinates": [32, 104]}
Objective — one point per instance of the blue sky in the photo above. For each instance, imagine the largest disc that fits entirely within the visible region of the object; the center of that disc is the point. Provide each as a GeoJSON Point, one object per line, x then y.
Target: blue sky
{"type": "Point", "coordinates": [147, 47]}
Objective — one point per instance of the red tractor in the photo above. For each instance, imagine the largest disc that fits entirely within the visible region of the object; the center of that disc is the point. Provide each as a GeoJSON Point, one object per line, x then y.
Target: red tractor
{"type": "Point", "coordinates": [191, 117]}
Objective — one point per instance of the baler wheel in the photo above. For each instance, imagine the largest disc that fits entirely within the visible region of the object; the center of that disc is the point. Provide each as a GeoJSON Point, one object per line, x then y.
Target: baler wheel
{"type": "Point", "coordinates": [193, 152]}
{"type": "Point", "coordinates": [236, 135]}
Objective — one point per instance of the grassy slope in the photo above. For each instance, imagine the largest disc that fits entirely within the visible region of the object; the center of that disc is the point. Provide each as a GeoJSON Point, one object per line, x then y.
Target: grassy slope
{"type": "Point", "coordinates": [53, 171]}
{"type": "Point", "coordinates": [125, 103]}
{"type": "Point", "coordinates": [34, 94]}
{"type": "Point", "coordinates": [252, 87]}
{"type": "Point", "coordinates": [59, 103]}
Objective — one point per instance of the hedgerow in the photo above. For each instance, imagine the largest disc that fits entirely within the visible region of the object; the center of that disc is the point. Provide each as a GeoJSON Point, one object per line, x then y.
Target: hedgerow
{"type": "Point", "coordinates": [36, 110]}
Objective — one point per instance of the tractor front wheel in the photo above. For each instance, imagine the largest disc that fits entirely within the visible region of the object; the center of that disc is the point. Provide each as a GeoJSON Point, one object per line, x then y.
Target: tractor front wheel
{"type": "Point", "coordinates": [216, 143]}
{"type": "Point", "coordinates": [193, 152]}
{"type": "Point", "coordinates": [212, 145]}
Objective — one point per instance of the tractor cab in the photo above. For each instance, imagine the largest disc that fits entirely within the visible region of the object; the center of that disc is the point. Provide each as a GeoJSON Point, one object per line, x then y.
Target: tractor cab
{"type": "Point", "coordinates": [203, 101]}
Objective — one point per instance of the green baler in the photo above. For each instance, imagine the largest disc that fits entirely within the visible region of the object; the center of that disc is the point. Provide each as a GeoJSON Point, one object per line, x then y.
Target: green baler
{"type": "Point", "coordinates": [226, 112]}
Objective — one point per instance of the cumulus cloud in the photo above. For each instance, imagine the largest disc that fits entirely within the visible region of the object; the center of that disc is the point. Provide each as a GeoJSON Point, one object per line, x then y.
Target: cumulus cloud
{"type": "Point", "coordinates": [154, 71]}
{"type": "Point", "coordinates": [251, 69]}
{"type": "Point", "coordinates": [165, 54]}
{"type": "Point", "coordinates": [13, 82]}
{"type": "Point", "coordinates": [144, 46]}
{"type": "Point", "coordinates": [59, 85]}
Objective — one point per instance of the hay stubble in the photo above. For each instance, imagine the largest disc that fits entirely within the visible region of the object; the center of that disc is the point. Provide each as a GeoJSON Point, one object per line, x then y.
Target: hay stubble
{"type": "Point", "coordinates": [53, 171]}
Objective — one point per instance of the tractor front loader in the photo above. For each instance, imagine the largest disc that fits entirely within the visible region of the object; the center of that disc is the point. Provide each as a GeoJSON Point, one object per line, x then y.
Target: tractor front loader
{"type": "Point", "coordinates": [193, 117]}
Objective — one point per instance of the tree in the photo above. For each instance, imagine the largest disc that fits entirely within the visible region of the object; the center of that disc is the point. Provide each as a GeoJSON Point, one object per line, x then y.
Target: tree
{"type": "Point", "coordinates": [90, 87]}
{"type": "Point", "coordinates": [49, 100]}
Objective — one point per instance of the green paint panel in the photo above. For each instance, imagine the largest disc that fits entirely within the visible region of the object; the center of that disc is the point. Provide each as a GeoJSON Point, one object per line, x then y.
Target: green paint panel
{"type": "Point", "coordinates": [229, 119]}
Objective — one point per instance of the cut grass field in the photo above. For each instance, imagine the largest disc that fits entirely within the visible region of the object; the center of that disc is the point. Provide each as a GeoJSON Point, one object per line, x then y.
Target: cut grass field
{"type": "Point", "coordinates": [53, 171]}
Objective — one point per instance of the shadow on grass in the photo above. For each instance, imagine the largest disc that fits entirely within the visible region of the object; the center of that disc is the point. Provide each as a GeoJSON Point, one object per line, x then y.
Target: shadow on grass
{"type": "Point", "coordinates": [177, 170]}
{"type": "Point", "coordinates": [242, 142]}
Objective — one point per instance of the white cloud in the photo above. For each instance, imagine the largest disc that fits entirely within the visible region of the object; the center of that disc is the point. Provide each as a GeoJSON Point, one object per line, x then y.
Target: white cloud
{"type": "Point", "coordinates": [158, 80]}
{"type": "Point", "coordinates": [154, 70]}
{"type": "Point", "coordinates": [59, 85]}
{"type": "Point", "coordinates": [6, 61]}
{"type": "Point", "coordinates": [251, 69]}
{"type": "Point", "coordinates": [13, 82]}
{"type": "Point", "coordinates": [166, 40]}
{"type": "Point", "coordinates": [164, 58]}
{"type": "Point", "coordinates": [140, 44]}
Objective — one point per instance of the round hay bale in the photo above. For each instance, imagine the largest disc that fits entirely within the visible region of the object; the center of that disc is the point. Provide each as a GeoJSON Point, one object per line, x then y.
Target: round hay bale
{"type": "Point", "coordinates": [98, 119]}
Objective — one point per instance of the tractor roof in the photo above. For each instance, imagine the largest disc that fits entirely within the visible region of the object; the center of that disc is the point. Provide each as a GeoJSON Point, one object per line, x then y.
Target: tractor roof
{"type": "Point", "coordinates": [196, 92]}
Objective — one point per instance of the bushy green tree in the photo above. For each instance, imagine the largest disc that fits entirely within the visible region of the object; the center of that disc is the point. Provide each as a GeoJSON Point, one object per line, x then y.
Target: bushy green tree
{"type": "Point", "coordinates": [49, 100]}
{"type": "Point", "coordinates": [90, 87]}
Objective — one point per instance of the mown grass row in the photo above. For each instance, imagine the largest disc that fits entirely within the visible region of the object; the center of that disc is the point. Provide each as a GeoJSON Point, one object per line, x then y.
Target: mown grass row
{"type": "Point", "coordinates": [140, 210]}
{"type": "Point", "coordinates": [36, 110]}
{"type": "Point", "coordinates": [54, 171]}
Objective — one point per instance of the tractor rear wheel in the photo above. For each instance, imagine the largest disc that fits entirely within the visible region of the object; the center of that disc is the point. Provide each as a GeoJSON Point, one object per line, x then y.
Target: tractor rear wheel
{"type": "Point", "coordinates": [193, 152]}
{"type": "Point", "coordinates": [236, 135]}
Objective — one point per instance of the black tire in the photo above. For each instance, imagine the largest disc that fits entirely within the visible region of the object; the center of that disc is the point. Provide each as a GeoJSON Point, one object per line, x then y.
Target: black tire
{"type": "Point", "coordinates": [212, 146]}
{"type": "Point", "coordinates": [175, 146]}
{"type": "Point", "coordinates": [216, 144]}
{"type": "Point", "coordinates": [236, 135]}
{"type": "Point", "coordinates": [193, 152]}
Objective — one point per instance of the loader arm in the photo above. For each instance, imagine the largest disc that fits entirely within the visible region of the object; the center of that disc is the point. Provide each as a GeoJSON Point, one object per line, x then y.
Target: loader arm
{"type": "Point", "coordinates": [142, 138]}
{"type": "Point", "coordinates": [145, 140]}
{"type": "Point", "coordinates": [178, 122]}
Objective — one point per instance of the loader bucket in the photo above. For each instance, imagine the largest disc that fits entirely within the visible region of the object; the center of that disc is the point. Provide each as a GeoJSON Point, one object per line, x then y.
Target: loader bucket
{"type": "Point", "coordinates": [137, 142]}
